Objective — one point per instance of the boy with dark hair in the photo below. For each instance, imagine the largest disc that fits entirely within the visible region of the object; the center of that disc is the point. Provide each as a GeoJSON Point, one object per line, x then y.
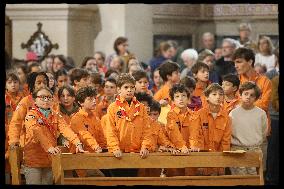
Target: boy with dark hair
{"type": "Point", "coordinates": [200, 72]}
{"type": "Point", "coordinates": [178, 122]}
{"type": "Point", "coordinates": [79, 78]}
{"type": "Point", "coordinates": [211, 127]}
{"type": "Point", "coordinates": [195, 102]}
{"type": "Point", "coordinates": [244, 59]}
{"type": "Point", "coordinates": [142, 82]}
{"type": "Point", "coordinates": [87, 125]}
{"type": "Point", "coordinates": [230, 86]}
{"type": "Point", "coordinates": [122, 115]}
{"type": "Point", "coordinates": [249, 125]}
{"type": "Point", "coordinates": [109, 90]}
{"type": "Point", "coordinates": [34, 67]}
{"type": "Point", "coordinates": [96, 81]}
{"type": "Point", "coordinates": [169, 72]}
{"type": "Point", "coordinates": [61, 78]}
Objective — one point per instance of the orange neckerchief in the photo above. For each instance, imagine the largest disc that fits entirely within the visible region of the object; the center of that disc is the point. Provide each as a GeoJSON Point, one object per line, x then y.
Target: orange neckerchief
{"type": "Point", "coordinates": [119, 102]}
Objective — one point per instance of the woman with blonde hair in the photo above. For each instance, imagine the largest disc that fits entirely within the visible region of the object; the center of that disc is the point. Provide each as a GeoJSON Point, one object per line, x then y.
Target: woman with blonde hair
{"type": "Point", "coordinates": [265, 54]}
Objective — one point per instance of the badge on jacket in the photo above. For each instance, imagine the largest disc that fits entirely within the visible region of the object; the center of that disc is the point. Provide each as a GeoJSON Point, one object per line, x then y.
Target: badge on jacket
{"type": "Point", "coordinates": [205, 125]}
{"type": "Point", "coordinates": [40, 121]}
{"type": "Point", "coordinates": [119, 114]}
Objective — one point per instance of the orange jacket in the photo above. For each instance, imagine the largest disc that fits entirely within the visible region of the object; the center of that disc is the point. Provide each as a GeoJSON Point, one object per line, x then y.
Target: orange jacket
{"type": "Point", "coordinates": [39, 138]}
{"type": "Point", "coordinates": [209, 133]}
{"type": "Point", "coordinates": [16, 131]}
{"type": "Point", "coordinates": [230, 105]}
{"type": "Point", "coordinates": [128, 135]}
{"type": "Point", "coordinates": [198, 91]}
{"type": "Point", "coordinates": [265, 86]}
{"type": "Point", "coordinates": [66, 115]}
{"type": "Point", "coordinates": [163, 93]}
{"type": "Point", "coordinates": [159, 135]}
{"type": "Point", "coordinates": [178, 126]}
{"type": "Point", "coordinates": [88, 128]}
{"type": "Point", "coordinates": [11, 101]}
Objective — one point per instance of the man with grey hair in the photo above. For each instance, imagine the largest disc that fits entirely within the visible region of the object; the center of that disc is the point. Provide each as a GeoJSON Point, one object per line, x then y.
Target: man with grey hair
{"type": "Point", "coordinates": [189, 57]}
{"type": "Point", "coordinates": [245, 36]}
{"type": "Point", "coordinates": [208, 42]}
{"type": "Point", "coordinates": [225, 65]}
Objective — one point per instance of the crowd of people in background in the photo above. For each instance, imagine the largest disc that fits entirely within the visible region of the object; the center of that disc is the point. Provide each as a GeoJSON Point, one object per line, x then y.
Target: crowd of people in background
{"type": "Point", "coordinates": [214, 98]}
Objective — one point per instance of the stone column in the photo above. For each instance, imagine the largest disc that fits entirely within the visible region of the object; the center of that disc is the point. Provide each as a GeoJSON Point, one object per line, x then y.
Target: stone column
{"type": "Point", "coordinates": [71, 26]}
{"type": "Point", "coordinates": [133, 21]}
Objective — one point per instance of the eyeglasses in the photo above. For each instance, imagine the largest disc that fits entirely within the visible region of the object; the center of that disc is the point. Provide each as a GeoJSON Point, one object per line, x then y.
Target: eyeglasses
{"type": "Point", "coordinates": [45, 98]}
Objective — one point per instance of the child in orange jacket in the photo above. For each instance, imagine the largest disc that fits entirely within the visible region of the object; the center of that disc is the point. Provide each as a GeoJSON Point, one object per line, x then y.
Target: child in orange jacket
{"type": "Point", "coordinates": [86, 124]}
{"type": "Point", "coordinates": [79, 78]}
{"type": "Point", "coordinates": [211, 129]}
{"type": "Point", "coordinates": [160, 141]}
{"type": "Point", "coordinates": [142, 82]}
{"type": "Point", "coordinates": [230, 86]}
{"type": "Point", "coordinates": [195, 102]}
{"type": "Point", "coordinates": [200, 72]}
{"type": "Point", "coordinates": [169, 72]}
{"type": "Point", "coordinates": [105, 100]}
{"type": "Point", "coordinates": [16, 131]}
{"type": "Point", "coordinates": [127, 125]}
{"type": "Point", "coordinates": [13, 95]}
{"type": "Point", "coordinates": [42, 125]}
{"type": "Point", "coordinates": [66, 108]}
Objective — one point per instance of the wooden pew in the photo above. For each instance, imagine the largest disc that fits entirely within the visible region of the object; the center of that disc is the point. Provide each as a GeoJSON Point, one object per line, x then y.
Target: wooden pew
{"type": "Point", "coordinates": [159, 160]}
{"type": "Point", "coordinates": [15, 159]}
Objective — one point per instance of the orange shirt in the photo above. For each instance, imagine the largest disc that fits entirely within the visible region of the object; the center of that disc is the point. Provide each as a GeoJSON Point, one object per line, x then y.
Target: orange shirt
{"type": "Point", "coordinates": [198, 91]}
{"type": "Point", "coordinates": [39, 138]}
{"type": "Point", "coordinates": [209, 133]}
{"type": "Point", "coordinates": [177, 127]}
{"type": "Point", "coordinates": [66, 115]}
{"type": "Point", "coordinates": [265, 86]}
{"type": "Point", "coordinates": [230, 105]}
{"type": "Point", "coordinates": [89, 130]}
{"type": "Point", "coordinates": [163, 93]}
{"type": "Point", "coordinates": [159, 135]}
{"type": "Point", "coordinates": [128, 135]}
{"type": "Point", "coordinates": [25, 89]}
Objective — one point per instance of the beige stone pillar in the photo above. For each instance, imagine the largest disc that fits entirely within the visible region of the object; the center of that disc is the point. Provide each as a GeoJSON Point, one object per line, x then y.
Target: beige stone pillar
{"type": "Point", "coordinates": [71, 26]}
{"type": "Point", "coordinates": [133, 21]}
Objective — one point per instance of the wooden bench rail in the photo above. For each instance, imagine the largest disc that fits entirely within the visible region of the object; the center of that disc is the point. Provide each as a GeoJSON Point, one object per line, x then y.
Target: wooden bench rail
{"type": "Point", "coordinates": [158, 160]}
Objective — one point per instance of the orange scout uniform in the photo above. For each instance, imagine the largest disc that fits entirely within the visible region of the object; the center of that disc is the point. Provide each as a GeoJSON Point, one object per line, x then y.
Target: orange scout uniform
{"type": "Point", "coordinates": [11, 101]}
{"type": "Point", "coordinates": [211, 134]}
{"type": "Point", "coordinates": [265, 86]}
{"type": "Point", "coordinates": [159, 135]}
{"type": "Point", "coordinates": [208, 133]}
{"type": "Point", "coordinates": [88, 128]}
{"type": "Point", "coordinates": [39, 138]}
{"type": "Point", "coordinates": [128, 132]}
{"type": "Point", "coordinates": [16, 131]}
{"type": "Point", "coordinates": [177, 127]}
{"type": "Point", "coordinates": [163, 93]}
{"type": "Point", "coordinates": [230, 105]}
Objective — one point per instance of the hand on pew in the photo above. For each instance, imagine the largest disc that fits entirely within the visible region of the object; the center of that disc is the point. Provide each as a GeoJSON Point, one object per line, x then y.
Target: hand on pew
{"type": "Point", "coordinates": [54, 150]}
{"type": "Point", "coordinates": [117, 153]}
{"type": "Point", "coordinates": [144, 153]}
{"type": "Point", "coordinates": [184, 150]}
{"type": "Point", "coordinates": [14, 145]}
{"type": "Point", "coordinates": [98, 149]}
{"type": "Point", "coordinates": [79, 148]}
{"type": "Point", "coordinates": [194, 149]}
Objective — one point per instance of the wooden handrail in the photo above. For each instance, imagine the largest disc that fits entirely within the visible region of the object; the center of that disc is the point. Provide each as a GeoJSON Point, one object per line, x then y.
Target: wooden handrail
{"type": "Point", "coordinates": [63, 162]}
